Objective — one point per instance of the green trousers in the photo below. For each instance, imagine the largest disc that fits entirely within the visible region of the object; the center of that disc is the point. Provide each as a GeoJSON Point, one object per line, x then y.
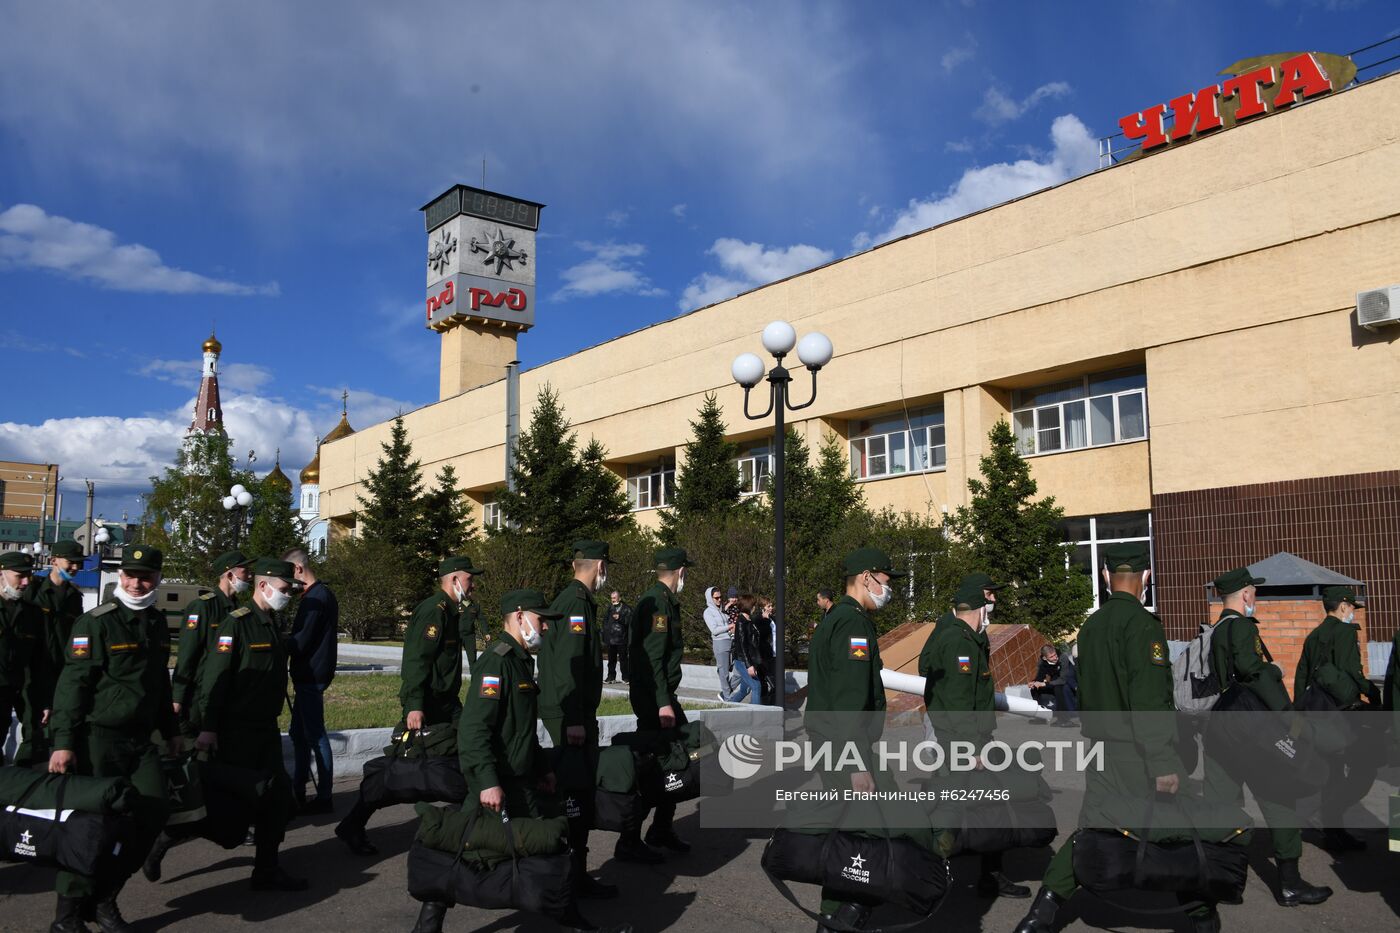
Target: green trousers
{"type": "Point", "coordinates": [110, 753]}
{"type": "Point", "coordinates": [261, 750]}
{"type": "Point", "coordinates": [1281, 817]}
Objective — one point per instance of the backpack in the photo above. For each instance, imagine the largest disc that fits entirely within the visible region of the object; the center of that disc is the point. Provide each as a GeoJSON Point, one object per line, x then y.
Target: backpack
{"type": "Point", "coordinates": [1196, 687]}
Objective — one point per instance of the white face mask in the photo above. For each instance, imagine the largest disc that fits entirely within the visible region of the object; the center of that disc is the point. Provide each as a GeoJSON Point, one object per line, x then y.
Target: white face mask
{"type": "Point", "coordinates": [276, 599]}
{"type": "Point", "coordinates": [460, 593]}
{"type": "Point", "coordinates": [883, 597]}
{"type": "Point", "coordinates": [989, 607]}
{"type": "Point", "coordinates": [986, 618]}
{"type": "Point", "coordinates": [602, 579]}
{"type": "Point", "coordinates": [1349, 618]}
{"type": "Point", "coordinates": [239, 586]}
{"type": "Point", "coordinates": [680, 582]}
{"type": "Point", "coordinates": [136, 603]}
{"type": "Point", "coordinates": [8, 593]}
{"type": "Point", "coordinates": [1249, 611]}
{"type": "Point", "coordinates": [529, 633]}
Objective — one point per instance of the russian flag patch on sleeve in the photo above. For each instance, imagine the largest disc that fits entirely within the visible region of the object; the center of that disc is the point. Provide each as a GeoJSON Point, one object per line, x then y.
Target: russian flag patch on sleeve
{"type": "Point", "coordinates": [860, 648]}
{"type": "Point", "coordinates": [225, 644]}
{"type": "Point", "coordinates": [490, 686]}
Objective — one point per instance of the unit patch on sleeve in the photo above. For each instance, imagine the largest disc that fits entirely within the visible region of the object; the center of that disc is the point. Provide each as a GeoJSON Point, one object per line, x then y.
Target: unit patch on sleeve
{"type": "Point", "coordinates": [79, 647]}
{"type": "Point", "coordinates": [225, 644]}
{"type": "Point", "coordinates": [431, 633]}
{"type": "Point", "coordinates": [659, 622]}
{"type": "Point", "coordinates": [1159, 654]}
{"type": "Point", "coordinates": [490, 686]}
{"type": "Point", "coordinates": [192, 620]}
{"type": "Point", "coordinates": [576, 626]}
{"type": "Point", "coordinates": [860, 647]}
{"type": "Point", "coordinates": [964, 664]}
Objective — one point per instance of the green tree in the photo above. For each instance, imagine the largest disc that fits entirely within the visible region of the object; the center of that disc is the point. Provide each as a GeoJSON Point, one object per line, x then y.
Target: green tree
{"type": "Point", "coordinates": [184, 514]}
{"type": "Point", "coordinates": [1017, 539]}
{"type": "Point", "coordinates": [707, 482]}
{"type": "Point", "coordinates": [393, 510]}
{"type": "Point", "coordinates": [276, 527]}
{"type": "Point", "coordinates": [446, 526]}
{"type": "Point", "coordinates": [371, 584]}
{"type": "Point", "coordinates": [836, 492]}
{"type": "Point", "coordinates": [561, 494]}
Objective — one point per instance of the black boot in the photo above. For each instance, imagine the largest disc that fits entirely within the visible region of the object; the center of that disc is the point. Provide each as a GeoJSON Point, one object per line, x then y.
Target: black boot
{"type": "Point", "coordinates": [1293, 890]}
{"type": "Point", "coordinates": [848, 916]}
{"type": "Point", "coordinates": [351, 830]}
{"type": "Point", "coordinates": [151, 867]}
{"type": "Point", "coordinates": [666, 838]}
{"type": "Point", "coordinates": [1205, 922]}
{"type": "Point", "coordinates": [109, 919]}
{"type": "Point", "coordinates": [430, 917]}
{"type": "Point", "coordinates": [585, 885]}
{"type": "Point", "coordinates": [268, 874]}
{"type": "Point", "coordinates": [1041, 917]}
{"type": "Point", "coordinates": [630, 848]}
{"type": "Point", "coordinates": [995, 884]}
{"type": "Point", "coordinates": [68, 916]}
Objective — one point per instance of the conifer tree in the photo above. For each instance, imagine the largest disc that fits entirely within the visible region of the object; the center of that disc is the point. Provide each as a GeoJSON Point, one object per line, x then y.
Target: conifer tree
{"type": "Point", "coordinates": [707, 483]}
{"type": "Point", "coordinates": [276, 527]}
{"type": "Point", "coordinates": [184, 514]}
{"type": "Point", "coordinates": [446, 524]}
{"type": "Point", "coordinates": [599, 504]}
{"type": "Point", "coordinates": [392, 511]}
{"type": "Point", "coordinates": [1017, 539]}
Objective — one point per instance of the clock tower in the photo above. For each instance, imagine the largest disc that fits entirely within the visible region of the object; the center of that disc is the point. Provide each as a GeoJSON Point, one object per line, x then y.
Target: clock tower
{"type": "Point", "coordinates": [480, 282]}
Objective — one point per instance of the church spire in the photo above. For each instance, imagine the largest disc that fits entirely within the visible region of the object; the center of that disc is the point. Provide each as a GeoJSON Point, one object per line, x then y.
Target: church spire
{"type": "Point", "coordinates": [208, 413]}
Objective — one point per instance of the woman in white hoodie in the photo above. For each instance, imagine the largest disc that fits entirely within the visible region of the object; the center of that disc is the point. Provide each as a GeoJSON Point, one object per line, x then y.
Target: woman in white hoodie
{"type": "Point", "coordinates": [721, 640]}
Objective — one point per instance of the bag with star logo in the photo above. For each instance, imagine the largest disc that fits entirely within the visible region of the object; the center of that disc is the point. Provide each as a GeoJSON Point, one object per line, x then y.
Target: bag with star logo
{"type": "Point", "coordinates": [42, 826]}
{"type": "Point", "coordinates": [420, 766]}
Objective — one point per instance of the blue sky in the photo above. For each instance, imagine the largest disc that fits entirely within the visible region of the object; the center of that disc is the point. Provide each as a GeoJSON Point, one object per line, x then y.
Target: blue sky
{"type": "Point", "coordinates": [260, 164]}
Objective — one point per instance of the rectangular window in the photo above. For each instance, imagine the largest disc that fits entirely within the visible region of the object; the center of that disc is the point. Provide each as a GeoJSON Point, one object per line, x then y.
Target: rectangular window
{"type": "Point", "coordinates": [1107, 408]}
{"type": "Point", "coordinates": [651, 486]}
{"type": "Point", "coordinates": [894, 445]}
{"type": "Point", "coordinates": [755, 471]}
{"type": "Point", "coordinates": [491, 514]}
{"type": "Point", "coordinates": [1091, 534]}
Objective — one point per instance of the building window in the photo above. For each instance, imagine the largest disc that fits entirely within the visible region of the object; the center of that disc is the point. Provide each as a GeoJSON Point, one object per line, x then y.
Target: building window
{"type": "Point", "coordinates": [651, 486]}
{"type": "Point", "coordinates": [899, 444]}
{"type": "Point", "coordinates": [755, 471]}
{"type": "Point", "coordinates": [1089, 535]}
{"type": "Point", "coordinates": [1093, 411]}
{"type": "Point", "coordinates": [491, 516]}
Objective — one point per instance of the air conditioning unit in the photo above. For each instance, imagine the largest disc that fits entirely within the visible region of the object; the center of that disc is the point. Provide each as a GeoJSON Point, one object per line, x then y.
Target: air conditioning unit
{"type": "Point", "coordinates": [1378, 307]}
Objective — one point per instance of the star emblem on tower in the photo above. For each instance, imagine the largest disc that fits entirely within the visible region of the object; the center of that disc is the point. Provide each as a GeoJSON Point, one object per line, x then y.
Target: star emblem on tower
{"type": "Point", "coordinates": [500, 251]}
{"type": "Point", "coordinates": [441, 252]}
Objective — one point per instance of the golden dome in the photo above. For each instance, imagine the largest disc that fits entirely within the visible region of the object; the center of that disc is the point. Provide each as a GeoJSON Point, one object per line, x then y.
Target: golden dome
{"type": "Point", "coordinates": [212, 345]}
{"type": "Point", "coordinates": [277, 477]}
{"type": "Point", "coordinates": [311, 473]}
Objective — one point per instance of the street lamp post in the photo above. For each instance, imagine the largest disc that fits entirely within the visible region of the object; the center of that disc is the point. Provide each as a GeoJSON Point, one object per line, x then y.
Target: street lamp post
{"type": "Point", "coordinates": [814, 351]}
{"type": "Point", "coordinates": [238, 498]}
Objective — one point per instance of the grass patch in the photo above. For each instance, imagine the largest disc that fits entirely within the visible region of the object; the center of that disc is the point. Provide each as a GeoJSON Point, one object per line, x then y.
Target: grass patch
{"type": "Point", "coordinates": [371, 701]}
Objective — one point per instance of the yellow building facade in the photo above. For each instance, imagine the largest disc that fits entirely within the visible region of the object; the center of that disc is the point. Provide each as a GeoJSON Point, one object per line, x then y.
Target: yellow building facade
{"type": "Point", "coordinates": [1174, 339]}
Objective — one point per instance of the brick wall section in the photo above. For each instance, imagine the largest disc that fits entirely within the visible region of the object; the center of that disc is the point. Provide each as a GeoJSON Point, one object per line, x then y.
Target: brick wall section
{"type": "Point", "coordinates": [1350, 524]}
{"type": "Point", "coordinates": [1015, 652]}
{"type": "Point", "coordinates": [1284, 624]}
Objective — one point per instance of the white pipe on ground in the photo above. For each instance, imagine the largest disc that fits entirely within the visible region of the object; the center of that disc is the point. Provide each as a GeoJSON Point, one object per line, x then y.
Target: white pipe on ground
{"type": "Point", "coordinates": [912, 683]}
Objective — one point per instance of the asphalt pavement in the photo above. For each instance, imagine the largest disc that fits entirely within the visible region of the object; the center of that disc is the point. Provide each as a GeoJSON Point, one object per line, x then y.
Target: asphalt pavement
{"type": "Point", "coordinates": [719, 885]}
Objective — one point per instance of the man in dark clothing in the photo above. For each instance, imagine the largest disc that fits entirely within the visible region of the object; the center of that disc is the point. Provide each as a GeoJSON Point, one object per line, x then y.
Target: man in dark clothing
{"type": "Point", "coordinates": [20, 629]}
{"type": "Point", "coordinates": [1055, 680]}
{"type": "Point", "coordinates": [60, 604]}
{"type": "Point", "coordinates": [617, 623]}
{"type": "Point", "coordinates": [312, 648]}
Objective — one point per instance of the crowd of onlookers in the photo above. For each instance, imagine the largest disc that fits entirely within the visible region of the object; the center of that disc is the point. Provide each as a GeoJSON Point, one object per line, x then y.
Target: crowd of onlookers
{"type": "Point", "coordinates": [745, 640]}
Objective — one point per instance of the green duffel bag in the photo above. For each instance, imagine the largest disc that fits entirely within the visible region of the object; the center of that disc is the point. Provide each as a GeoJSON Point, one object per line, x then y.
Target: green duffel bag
{"type": "Point", "coordinates": [39, 790]}
{"type": "Point", "coordinates": [482, 838]}
{"type": "Point", "coordinates": [617, 770]}
{"type": "Point", "coordinates": [435, 741]}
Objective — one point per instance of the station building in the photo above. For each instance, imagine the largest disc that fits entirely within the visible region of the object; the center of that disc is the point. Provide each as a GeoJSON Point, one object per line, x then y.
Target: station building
{"type": "Point", "coordinates": [1175, 340]}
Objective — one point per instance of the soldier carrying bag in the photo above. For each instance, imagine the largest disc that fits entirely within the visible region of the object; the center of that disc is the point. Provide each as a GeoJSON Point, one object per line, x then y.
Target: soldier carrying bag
{"type": "Point", "coordinates": [419, 766]}
{"type": "Point", "coordinates": [212, 800]}
{"type": "Point", "coordinates": [40, 825]}
{"type": "Point", "coordinates": [617, 807]}
{"type": "Point", "coordinates": [674, 766]}
{"type": "Point", "coordinates": [540, 884]}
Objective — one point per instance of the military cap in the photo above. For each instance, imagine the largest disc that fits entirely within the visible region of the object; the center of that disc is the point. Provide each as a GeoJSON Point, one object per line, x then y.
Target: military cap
{"type": "Point", "coordinates": [1342, 594]}
{"type": "Point", "coordinates": [671, 558]}
{"type": "Point", "coordinates": [868, 558]}
{"type": "Point", "coordinates": [142, 557]}
{"type": "Point", "coordinates": [16, 560]}
{"type": "Point", "coordinates": [591, 550]}
{"type": "Point", "coordinates": [530, 601]}
{"type": "Point", "coordinates": [272, 567]}
{"type": "Point", "coordinates": [1236, 580]}
{"type": "Point", "coordinates": [1128, 557]}
{"type": "Point", "coordinates": [226, 562]}
{"type": "Point", "coordinates": [68, 550]}
{"type": "Point", "coordinates": [459, 563]}
{"type": "Point", "coordinates": [969, 595]}
{"type": "Point", "coordinates": [980, 579]}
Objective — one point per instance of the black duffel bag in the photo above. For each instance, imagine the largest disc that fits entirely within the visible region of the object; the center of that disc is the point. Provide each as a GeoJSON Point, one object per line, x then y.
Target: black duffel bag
{"type": "Point", "coordinates": [419, 766]}
{"type": "Point", "coordinates": [997, 827]}
{"type": "Point", "coordinates": [57, 836]}
{"type": "Point", "coordinates": [541, 884]}
{"type": "Point", "coordinates": [229, 795]}
{"type": "Point", "coordinates": [1257, 746]}
{"type": "Point", "coordinates": [858, 867]}
{"type": "Point", "coordinates": [675, 765]}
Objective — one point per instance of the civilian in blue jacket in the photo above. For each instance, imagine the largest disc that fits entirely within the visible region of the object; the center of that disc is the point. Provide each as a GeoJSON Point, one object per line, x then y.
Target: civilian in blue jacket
{"type": "Point", "coordinates": [312, 652]}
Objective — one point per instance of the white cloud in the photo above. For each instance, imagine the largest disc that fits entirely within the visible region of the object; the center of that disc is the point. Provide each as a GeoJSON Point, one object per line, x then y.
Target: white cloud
{"type": "Point", "coordinates": [613, 268]}
{"type": "Point", "coordinates": [30, 238]}
{"type": "Point", "coordinates": [616, 218]}
{"type": "Point", "coordinates": [241, 377]}
{"type": "Point", "coordinates": [678, 211]}
{"type": "Point", "coordinates": [960, 53]}
{"type": "Point", "coordinates": [959, 146]}
{"type": "Point", "coordinates": [746, 266]}
{"type": "Point", "coordinates": [998, 108]}
{"type": "Point", "coordinates": [1075, 152]}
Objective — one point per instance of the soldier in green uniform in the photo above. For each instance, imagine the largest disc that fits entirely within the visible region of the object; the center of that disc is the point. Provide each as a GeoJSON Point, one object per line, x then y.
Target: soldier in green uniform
{"type": "Point", "coordinates": [1123, 668]}
{"type": "Point", "coordinates": [1242, 661]}
{"type": "Point", "coordinates": [843, 677]}
{"type": "Point", "coordinates": [470, 623]}
{"type": "Point", "coordinates": [60, 603]}
{"type": "Point", "coordinates": [20, 631]}
{"type": "Point", "coordinates": [114, 692]}
{"type": "Point", "coordinates": [431, 674]}
{"type": "Point", "coordinates": [1331, 661]}
{"type": "Point", "coordinates": [655, 650]}
{"type": "Point", "coordinates": [201, 623]}
{"type": "Point", "coordinates": [571, 686]}
{"type": "Point", "coordinates": [239, 697]}
{"type": "Point", "coordinates": [960, 695]}
{"type": "Point", "coordinates": [497, 742]}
